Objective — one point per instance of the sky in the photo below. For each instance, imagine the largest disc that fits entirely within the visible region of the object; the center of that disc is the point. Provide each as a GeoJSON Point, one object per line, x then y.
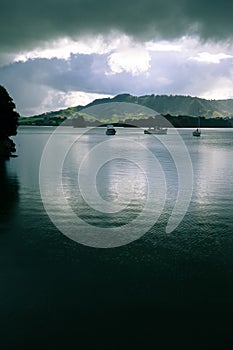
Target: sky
{"type": "Point", "coordinates": [61, 53]}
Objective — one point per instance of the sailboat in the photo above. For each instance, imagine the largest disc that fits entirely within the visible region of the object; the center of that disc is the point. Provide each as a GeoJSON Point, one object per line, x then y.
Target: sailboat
{"type": "Point", "coordinates": [197, 132]}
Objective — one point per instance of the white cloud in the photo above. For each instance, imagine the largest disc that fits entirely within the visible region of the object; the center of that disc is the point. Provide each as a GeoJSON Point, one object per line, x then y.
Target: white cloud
{"type": "Point", "coordinates": [125, 55]}
{"type": "Point", "coordinates": [55, 100]}
{"type": "Point", "coordinates": [74, 98]}
{"type": "Point", "coordinates": [210, 58]}
{"type": "Point", "coordinates": [63, 48]}
{"type": "Point", "coordinates": [163, 46]}
{"type": "Point", "coordinates": [131, 60]}
{"type": "Point", "coordinates": [222, 89]}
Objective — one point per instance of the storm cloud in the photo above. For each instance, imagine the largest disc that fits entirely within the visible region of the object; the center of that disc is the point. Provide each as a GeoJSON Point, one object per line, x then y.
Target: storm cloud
{"type": "Point", "coordinates": [25, 24]}
{"type": "Point", "coordinates": [40, 85]}
{"type": "Point", "coordinates": [58, 53]}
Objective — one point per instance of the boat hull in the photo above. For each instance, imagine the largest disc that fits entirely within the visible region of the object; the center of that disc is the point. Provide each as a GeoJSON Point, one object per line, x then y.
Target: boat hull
{"type": "Point", "coordinates": [197, 133]}
{"type": "Point", "coordinates": [155, 131]}
{"type": "Point", "coordinates": [110, 132]}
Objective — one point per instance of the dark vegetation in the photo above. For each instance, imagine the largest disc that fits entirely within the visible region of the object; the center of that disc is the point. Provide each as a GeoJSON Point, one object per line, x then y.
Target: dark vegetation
{"type": "Point", "coordinates": [180, 111]}
{"type": "Point", "coordinates": [8, 123]}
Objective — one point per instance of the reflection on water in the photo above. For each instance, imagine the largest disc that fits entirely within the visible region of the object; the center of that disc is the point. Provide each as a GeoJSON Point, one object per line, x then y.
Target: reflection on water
{"type": "Point", "coordinates": [9, 192]}
{"type": "Point", "coordinates": [168, 289]}
{"type": "Point", "coordinates": [211, 156]}
{"type": "Point", "coordinates": [117, 180]}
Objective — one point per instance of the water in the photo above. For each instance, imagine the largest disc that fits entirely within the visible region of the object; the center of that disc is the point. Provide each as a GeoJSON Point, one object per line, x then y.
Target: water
{"type": "Point", "coordinates": [162, 289]}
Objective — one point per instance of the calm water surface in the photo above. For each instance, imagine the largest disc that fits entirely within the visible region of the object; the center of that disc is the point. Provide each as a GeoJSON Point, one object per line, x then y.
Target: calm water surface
{"type": "Point", "coordinates": [163, 289]}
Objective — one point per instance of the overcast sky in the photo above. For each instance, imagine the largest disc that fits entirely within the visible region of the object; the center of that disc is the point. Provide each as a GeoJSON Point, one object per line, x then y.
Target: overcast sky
{"type": "Point", "coordinates": [60, 53]}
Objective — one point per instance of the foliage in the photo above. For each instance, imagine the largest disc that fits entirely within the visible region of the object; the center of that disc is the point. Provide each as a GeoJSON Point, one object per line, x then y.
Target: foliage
{"type": "Point", "coordinates": [8, 116]}
{"type": "Point", "coordinates": [182, 108]}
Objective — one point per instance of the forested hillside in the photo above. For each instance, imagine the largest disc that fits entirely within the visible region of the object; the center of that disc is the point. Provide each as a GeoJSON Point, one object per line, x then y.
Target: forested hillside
{"type": "Point", "coordinates": [162, 104]}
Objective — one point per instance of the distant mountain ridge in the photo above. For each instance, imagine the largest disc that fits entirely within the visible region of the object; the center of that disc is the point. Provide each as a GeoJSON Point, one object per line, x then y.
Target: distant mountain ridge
{"type": "Point", "coordinates": [175, 105]}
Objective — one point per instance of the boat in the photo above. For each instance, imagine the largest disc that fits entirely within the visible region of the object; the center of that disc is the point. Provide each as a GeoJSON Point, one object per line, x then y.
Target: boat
{"type": "Point", "coordinates": [197, 132]}
{"type": "Point", "coordinates": [110, 130]}
{"type": "Point", "coordinates": [157, 131]}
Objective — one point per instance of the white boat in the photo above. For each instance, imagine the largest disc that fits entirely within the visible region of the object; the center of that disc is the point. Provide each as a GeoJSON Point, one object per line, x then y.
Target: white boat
{"type": "Point", "coordinates": [157, 131]}
{"type": "Point", "coordinates": [110, 130]}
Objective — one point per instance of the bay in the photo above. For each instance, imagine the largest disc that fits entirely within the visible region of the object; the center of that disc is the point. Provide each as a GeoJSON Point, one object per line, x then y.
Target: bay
{"type": "Point", "coordinates": [162, 288]}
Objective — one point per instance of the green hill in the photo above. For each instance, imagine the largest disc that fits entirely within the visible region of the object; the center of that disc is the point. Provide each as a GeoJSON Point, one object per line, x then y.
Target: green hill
{"type": "Point", "coordinates": [175, 105]}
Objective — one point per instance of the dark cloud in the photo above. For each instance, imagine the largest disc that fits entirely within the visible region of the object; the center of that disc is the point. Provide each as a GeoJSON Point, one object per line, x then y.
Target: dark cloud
{"type": "Point", "coordinates": [47, 82]}
{"type": "Point", "coordinates": [26, 23]}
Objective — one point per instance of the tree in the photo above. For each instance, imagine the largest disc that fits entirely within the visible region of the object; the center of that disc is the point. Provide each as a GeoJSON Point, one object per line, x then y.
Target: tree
{"type": "Point", "coordinates": [8, 123]}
